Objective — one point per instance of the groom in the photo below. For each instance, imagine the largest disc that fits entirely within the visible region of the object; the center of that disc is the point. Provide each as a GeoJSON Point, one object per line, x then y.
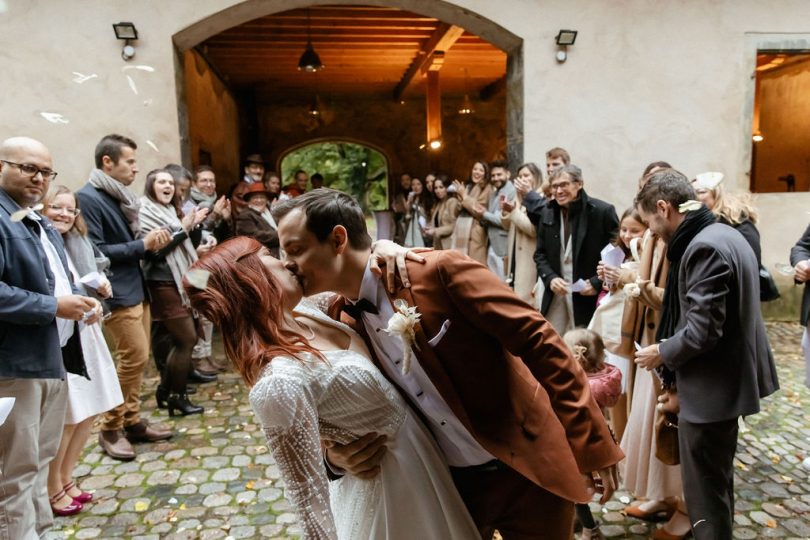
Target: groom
{"type": "Point", "coordinates": [508, 406]}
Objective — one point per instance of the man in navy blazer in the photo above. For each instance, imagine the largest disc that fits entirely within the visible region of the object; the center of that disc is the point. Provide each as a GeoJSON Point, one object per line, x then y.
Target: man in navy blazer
{"type": "Point", "coordinates": [34, 325]}
{"type": "Point", "coordinates": [111, 212]}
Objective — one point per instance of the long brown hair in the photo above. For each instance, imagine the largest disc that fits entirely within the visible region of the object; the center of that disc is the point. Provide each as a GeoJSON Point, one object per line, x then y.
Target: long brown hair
{"type": "Point", "coordinates": [243, 298]}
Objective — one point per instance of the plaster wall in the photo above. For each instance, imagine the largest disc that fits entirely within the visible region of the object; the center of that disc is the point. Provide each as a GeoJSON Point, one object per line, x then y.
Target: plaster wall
{"type": "Point", "coordinates": [645, 80]}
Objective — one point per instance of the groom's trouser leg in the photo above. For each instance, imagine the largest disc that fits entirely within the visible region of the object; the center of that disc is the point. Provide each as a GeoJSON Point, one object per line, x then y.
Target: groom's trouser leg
{"type": "Point", "coordinates": [518, 508]}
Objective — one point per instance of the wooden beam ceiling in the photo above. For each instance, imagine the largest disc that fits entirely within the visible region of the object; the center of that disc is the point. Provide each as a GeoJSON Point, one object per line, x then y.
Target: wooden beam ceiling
{"type": "Point", "coordinates": [366, 50]}
{"type": "Point", "coordinates": [444, 37]}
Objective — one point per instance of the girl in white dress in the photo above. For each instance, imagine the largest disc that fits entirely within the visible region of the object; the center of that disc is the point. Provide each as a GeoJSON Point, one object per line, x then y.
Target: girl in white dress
{"type": "Point", "coordinates": [312, 379]}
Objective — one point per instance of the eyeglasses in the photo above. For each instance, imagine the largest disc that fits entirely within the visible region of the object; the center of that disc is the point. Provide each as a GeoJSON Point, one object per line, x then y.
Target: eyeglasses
{"type": "Point", "coordinates": [32, 170]}
{"type": "Point", "coordinates": [206, 181]}
{"type": "Point", "coordinates": [64, 210]}
{"type": "Point", "coordinates": [561, 185]}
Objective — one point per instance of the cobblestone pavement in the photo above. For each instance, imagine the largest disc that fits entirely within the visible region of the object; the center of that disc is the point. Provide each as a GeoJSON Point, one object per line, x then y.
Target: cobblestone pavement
{"type": "Point", "coordinates": [216, 479]}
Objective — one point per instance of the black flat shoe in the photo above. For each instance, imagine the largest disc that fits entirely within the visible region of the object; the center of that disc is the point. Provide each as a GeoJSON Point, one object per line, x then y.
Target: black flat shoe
{"type": "Point", "coordinates": [195, 376]}
{"type": "Point", "coordinates": [179, 404]}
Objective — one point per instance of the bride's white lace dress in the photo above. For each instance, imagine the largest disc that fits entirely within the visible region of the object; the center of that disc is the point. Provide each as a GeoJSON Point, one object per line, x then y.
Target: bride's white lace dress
{"type": "Point", "coordinates": [299, 403]}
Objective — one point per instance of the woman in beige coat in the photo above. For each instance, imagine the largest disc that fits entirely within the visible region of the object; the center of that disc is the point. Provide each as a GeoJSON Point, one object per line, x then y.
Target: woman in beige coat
{"type": "Point", "coordinates": [522, 241]}
{"type": "Point", "coordinates": [469, 235]}
{"type": "Point", "coordinates": [444, 214]}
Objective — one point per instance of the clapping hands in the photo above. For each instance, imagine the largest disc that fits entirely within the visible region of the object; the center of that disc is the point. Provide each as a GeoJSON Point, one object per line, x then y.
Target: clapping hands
{"type": "Point", "coordinates": [194, 218]}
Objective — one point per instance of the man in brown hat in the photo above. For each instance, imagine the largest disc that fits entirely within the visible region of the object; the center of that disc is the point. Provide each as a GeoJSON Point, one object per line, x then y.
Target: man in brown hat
{"type": "Point", "coordinates": [255, 220]}
{"type": "Point", "coordinates": [254, 169]}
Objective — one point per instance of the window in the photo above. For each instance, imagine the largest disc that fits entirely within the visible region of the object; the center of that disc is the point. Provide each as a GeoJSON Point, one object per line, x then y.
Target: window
{"type": "Point", "coordinates": [780, 156]}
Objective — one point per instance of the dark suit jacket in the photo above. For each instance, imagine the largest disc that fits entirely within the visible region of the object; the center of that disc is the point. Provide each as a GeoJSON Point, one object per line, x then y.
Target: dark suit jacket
{"type": "Point", "coordinates": [720, 354]}
{"type": "Point", "coordinates": [594, 224]}
{"type": "Point", "coordinates": [29, 340]}
{"type": "Point", "coordinates": [505, 373]}
{"type": "Point", "coordinates": [801, 252]}
{"type": "Point", "coordinates": [109, 230]}
{"type": "Point", "coordinates": [250, 223]}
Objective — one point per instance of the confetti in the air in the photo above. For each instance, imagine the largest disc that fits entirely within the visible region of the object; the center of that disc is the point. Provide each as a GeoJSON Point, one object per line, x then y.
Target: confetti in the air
{"type": "Point", "coordinates": [141, 67]}
{"type": "Point", "coordinates": [153, 146]}
{"type": "Point", "coordinates": [132, 85]}
{"type": "Point", "coordinates": [54, 118]}
{"type": "Point", "coordinates": [80, 78]}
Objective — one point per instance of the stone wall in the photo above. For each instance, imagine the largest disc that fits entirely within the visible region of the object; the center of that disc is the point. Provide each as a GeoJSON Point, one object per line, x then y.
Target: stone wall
{"type": "Point", "coordinates": [396, 129]}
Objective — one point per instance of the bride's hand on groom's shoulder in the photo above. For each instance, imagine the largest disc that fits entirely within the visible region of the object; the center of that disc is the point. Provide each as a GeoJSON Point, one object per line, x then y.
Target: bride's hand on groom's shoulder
{"type": "Point", "coordinates": [360, 458]}
{"type": "Point", "coordinates": [393, 256]}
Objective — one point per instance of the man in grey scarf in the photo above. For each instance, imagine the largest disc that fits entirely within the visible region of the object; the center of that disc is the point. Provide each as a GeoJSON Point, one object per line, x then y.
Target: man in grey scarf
{"type": "Point", "coordinates": [111, 212]}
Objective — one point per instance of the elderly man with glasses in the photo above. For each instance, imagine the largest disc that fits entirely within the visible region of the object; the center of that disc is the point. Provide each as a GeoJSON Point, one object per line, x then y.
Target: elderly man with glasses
{"type": "Point", "coordinates": [38, 338]}
{"type": "Point", "coordinates": [572, 229]}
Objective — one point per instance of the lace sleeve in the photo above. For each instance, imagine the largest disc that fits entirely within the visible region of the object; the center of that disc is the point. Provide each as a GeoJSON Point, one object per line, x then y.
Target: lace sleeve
{"type": "Point", "coordinates": [290, 421]}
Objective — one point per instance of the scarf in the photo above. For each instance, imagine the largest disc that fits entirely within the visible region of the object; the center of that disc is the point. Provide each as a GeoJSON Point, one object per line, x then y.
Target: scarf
{"type": "Point", "coordinates": [127, 200]}
{"type": "Point", "coordinates": [154, 216]}
{"type": "Point", "coordinates": [268, 217]}
{"type": "Point", "coordinates": [201, 199]}
{"type": "Point", "coordinates": [694, 222]}
{"type": "Point", "coordinates": [86, 257]}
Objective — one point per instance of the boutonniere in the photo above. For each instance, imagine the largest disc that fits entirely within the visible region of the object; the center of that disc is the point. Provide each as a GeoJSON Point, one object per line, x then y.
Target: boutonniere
{"type": "Point", "coordinates": [402, 325]}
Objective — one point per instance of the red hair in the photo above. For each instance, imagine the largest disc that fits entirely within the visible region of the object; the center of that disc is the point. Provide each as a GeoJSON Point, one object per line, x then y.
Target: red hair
{"type": "Point", "coordinates": [244, 300]}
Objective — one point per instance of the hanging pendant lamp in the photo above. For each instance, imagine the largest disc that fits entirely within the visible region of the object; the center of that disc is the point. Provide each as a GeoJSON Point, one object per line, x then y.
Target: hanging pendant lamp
{"type": "Point", "coordinates": [310, 61]}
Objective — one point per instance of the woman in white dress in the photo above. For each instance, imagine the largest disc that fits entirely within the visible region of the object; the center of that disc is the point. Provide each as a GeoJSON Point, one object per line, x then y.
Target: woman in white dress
{"type": "Point", "coordinates": [312, 379]}
{"type": "Point", "coordinates": [87, 398]}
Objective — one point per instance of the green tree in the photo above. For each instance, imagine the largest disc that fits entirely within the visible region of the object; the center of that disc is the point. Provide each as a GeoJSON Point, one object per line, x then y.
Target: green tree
{"type": "Point", "coordinates": [358, 170]}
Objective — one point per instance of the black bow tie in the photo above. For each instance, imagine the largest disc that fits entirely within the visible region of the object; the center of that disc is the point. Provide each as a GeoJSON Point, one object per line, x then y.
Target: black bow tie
{"type": "Point", "coordinates": [356, 310]}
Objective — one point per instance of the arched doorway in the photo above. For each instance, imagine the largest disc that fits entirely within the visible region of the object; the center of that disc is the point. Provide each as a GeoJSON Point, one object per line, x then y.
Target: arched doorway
{"type": "Point", "coordinates": [353, 167]}
{"type": "Point", "coordinates": [499, 100]}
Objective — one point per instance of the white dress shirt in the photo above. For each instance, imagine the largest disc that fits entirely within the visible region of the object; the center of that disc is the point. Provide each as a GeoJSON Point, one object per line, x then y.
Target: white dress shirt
{"type": "Point", "coordinates": [459, 447]}
{"type": "Point", "coordinates": [61, 283]}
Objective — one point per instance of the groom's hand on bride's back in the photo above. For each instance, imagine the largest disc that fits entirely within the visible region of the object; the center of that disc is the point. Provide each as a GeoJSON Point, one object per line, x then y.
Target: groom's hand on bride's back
{"type": "Point", "coordinates": [360, 458]}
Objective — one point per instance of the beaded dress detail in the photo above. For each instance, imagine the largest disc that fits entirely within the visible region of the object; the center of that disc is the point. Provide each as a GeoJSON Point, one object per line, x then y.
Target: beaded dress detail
{"type": "Point", "coordinates": [301, 402]}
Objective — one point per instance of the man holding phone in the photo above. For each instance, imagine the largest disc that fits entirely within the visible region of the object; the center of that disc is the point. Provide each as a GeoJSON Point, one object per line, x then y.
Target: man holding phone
{"type": "Point", "coordinates": [503, 191]}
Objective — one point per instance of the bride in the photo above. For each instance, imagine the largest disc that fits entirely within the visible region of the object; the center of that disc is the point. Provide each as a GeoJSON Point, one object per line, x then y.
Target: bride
{"type": "Point", "coordinates": [312, 379]}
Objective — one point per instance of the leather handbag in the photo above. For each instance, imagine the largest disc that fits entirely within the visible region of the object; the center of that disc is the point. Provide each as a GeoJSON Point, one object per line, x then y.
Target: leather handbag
{"type": "Point", "coordinates": [666, 438]}
{"type": "Point", "coordinates": [768, 290]}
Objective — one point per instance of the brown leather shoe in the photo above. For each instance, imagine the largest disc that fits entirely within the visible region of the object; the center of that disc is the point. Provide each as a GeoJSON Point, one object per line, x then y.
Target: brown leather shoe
{"type": "Point", "coordinates": [116, 445]}
{"type": "Point", "coordinates": [143, 432]}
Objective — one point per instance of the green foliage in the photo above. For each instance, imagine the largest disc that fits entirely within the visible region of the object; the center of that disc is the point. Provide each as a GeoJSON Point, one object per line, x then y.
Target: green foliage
{"type": "Point", "coordinates": [352, 168]}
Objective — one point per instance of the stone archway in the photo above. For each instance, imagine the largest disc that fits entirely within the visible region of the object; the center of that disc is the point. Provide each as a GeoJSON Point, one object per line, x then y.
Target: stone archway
{"type": "Point", "coordinates": [443, 10]}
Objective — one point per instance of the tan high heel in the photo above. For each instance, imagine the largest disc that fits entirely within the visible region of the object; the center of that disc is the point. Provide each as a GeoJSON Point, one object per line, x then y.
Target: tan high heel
{"type": "Point", "coordinates": [658, 515]}
{"type": "Point", "coordinates": [662, 534]}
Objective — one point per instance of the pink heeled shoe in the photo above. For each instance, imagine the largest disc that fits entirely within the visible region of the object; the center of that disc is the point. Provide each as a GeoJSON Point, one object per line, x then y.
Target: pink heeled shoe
{"type": "Point", "coordinates": [83, 497]}
{"type": "Point", "coordinates": [70, 510]}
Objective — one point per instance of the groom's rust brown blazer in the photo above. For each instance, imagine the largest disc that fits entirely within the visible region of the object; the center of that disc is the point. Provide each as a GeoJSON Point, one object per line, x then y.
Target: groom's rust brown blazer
{"type": "Point", "coordinates": [505, 373]}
